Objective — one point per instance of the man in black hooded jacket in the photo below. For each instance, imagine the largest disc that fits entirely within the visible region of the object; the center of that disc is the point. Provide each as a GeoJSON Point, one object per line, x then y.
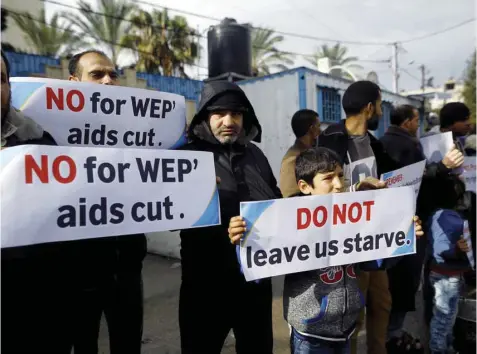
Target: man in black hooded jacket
{"type": "Point", "coordinates": [225, 125]}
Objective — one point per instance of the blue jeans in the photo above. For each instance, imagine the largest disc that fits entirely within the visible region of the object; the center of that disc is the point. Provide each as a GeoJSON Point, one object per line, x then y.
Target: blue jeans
{"type": "Point", "coordinates": [300, 344]}
{"type": "Point", "coordinates": [445, 305]}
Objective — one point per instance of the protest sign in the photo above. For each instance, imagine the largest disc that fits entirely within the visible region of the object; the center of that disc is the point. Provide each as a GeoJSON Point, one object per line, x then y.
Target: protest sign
{"type": "Point", "coordinates": [52, 193]}
{"type": "Point", "coordinates": [436, 146]}
{"type": "Point", "coordinates": [407, 176]}
{"type": "Point", "coordinates": [469, 170]}
{"type": "Point", "coordinates": [305, 233]}
{"type": "Point", "coordinates": [85, 114]}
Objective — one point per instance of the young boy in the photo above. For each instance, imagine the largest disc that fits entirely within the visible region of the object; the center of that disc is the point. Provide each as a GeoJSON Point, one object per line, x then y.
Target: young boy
{"type": "Point", "coordinates": [448, 261]}
{"type": "Point", "coordinates": [323, 305]}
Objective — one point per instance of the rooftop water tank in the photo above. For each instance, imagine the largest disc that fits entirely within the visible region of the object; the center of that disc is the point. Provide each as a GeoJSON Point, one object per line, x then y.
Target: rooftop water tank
{"type": "Point", "coordinates": [229, 49]}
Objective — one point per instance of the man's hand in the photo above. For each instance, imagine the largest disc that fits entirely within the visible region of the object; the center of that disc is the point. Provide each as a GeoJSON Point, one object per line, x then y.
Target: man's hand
{"type": "Point", "coordinates": [217, 180]}
{"type": "Point", "coordinates": [237, 228]}
{"type": "Point", "coordinates": [453, 158]}
{"type": "Point", "coordinates": [462, 245]}
{"type": "Point", "coordinates": [370, 183]}
{"type": "Point", "coordinates": [418, 226]}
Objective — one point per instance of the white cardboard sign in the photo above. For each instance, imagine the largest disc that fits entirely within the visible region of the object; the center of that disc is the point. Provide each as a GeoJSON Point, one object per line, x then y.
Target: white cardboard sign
{"type": "Point", "coordinates": [436, 146]}
{"type": "Point", "coordinates": [85, 114]}
{"type": "Point", "coordinates": [52, 193]}
{"type": "Point", "coordinates": [305, 233]}
{"type": "Point", "coordinates": [407, 176]}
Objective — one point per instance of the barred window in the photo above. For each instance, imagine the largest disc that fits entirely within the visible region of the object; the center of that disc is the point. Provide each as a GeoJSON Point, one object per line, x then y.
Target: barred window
{"type": "Point", "coordinates": [329, 104]}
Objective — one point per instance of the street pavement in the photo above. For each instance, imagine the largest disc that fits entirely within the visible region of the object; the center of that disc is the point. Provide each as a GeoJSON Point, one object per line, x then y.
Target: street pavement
{"type": "Point", "coordinates": [162, 278]}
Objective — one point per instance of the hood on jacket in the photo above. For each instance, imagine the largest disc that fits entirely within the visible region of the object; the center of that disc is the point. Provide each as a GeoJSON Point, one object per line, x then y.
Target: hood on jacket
{"type": "Point", "coordinates": [199, 128]}
{"type": "Point", "coordinates": [23, 127]}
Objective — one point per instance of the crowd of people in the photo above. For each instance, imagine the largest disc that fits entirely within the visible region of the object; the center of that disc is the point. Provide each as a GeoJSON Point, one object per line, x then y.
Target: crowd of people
{"type": "Point", "coordinates": [53, 295]}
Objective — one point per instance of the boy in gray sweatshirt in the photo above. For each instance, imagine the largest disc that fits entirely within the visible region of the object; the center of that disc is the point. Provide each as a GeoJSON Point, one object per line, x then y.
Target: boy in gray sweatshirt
{"type": "Point", "coordinates": [322, 306]}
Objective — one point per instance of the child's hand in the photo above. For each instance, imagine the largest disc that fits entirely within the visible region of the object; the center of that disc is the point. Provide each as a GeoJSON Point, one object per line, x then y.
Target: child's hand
{"type": "Point", "coordinates": [462, 245]}
{"type": "Point", "coordinates": [237, 228]}
{"type": "Point", "coordinates": [418, 226]}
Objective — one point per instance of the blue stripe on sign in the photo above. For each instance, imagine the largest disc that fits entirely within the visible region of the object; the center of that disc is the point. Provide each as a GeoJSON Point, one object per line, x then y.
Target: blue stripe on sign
{"type": "Point", "coordinates": [410, 240]}
{"type": "Point", "coordinates": [211, 215]}
{"type": "Point", "coordinates": [21, 92]}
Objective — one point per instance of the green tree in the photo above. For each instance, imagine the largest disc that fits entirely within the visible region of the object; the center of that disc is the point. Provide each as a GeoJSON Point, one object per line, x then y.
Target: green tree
{"type": "Point", "coordinates": [337, 55]}
{"type": "Point", "coordinates": [469, 85]}
{"type": "Point", "coordinates": [47, 38]}
{"type": "Point", "coordinates": [163, 44]}
{"type": "Point", "coordinates": [105, 24]}
{"type": "Point", "coordinates": [265, 54]}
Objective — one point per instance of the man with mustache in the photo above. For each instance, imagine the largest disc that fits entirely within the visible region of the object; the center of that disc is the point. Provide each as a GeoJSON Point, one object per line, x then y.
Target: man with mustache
{"type": "Point", "coordinates": [364, 160]}
{"type": "Point", "coordinates": [107, 271]}
{"type": "Point", "coordinates": [225, 125]}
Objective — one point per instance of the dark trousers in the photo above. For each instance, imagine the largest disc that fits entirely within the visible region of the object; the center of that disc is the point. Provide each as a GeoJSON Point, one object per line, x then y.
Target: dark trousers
{"type": "Point", "coordinates": [121, 300]}
{"type": "Point", "coordinates": [208, 311]}
{"type": "Point", "coordinates": [35, 308]}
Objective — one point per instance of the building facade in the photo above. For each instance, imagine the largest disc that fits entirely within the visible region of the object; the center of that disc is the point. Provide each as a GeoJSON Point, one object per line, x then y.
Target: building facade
{"type": "Point", "coordinates": [437, 97]}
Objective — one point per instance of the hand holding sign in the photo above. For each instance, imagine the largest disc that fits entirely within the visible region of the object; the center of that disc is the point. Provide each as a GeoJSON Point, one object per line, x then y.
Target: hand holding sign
{"type": "Point", "coordinates": [418, 226]}
{"type": "Point", "coordinates": [237, 228]}
{"type": "Point", "coordinates": [370, 183]}
{"type": "Point", "coordinates": [453, 158]}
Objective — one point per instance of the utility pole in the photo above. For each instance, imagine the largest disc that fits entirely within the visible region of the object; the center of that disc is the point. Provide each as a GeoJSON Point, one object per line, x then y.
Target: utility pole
{"type": "Point", "coordinates": [423, 77]}
{"type": "Point", "coordinates": [395, 68]}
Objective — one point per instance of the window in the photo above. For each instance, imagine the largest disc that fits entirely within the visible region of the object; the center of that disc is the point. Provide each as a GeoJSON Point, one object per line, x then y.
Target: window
{"type": "Point", "coordinates": [329, 104]}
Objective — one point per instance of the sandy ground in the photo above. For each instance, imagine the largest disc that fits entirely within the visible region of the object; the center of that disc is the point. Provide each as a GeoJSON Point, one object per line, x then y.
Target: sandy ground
{"type": "Point", "coordinates": [161, 328]}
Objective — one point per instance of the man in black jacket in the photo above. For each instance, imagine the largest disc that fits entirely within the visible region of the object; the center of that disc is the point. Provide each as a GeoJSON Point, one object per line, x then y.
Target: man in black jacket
{"type": "Point", "coordinates": [33, 296]}
{"type": "Point", "coordinates": [107, 272]}
{"type": "Point", "coordinates": [225, 125]}
{"type": "Point", "coordinates": [364, 160]}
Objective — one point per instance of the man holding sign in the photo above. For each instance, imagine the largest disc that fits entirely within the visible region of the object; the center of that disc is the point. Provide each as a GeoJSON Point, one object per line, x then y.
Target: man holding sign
{"type": "Point", "coordinates": [225, 125]}
{"type": "Point", "coordinates": [109, 279]}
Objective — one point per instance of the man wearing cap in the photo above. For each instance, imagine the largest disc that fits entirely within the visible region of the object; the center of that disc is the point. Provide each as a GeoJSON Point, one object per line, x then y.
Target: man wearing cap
{"type": "Point", "coordinates": [305, 124]}
{"type": "Point", "coordinates": [212, 281]}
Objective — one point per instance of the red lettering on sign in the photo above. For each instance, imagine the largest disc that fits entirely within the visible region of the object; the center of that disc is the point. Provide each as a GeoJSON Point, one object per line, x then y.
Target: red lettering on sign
{"type": "Point", "coordinates": [300, 224]}
{"type": "Point", "coordinates": [42, 171]}
{"type": "Point", "coordinates": [74, 100]}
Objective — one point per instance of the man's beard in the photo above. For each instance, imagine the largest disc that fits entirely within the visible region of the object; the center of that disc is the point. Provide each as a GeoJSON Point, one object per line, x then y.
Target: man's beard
{"type": "Point", "coordinates": [227, 140]}
{"type": "Point", "coordinates": [373, 122]}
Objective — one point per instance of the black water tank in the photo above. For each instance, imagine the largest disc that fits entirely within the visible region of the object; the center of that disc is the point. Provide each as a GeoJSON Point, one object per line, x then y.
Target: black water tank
{"type": "Point", "coordinates": [229, 48]}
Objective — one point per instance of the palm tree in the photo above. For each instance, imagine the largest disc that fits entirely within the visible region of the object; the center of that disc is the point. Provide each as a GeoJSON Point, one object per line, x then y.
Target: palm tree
{"type": "Point", "coordinates": [47, 38]}
{"type": "Point", "coordinates": [163, 44]}
{"type": "Point", "coordinates": [265, 55]}
{"type": "Point", "coordinates": [106, 24]}
{"type": "Point", "coordinates": [337, 56]}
